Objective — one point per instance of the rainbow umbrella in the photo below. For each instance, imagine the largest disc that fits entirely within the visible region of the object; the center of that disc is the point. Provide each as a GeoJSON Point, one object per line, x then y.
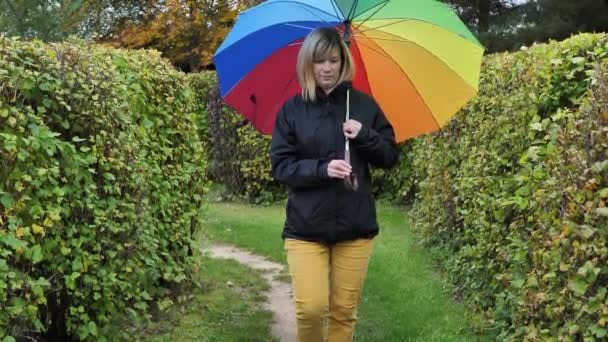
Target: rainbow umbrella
{"type": "Point", "coordinates": [415, 57]}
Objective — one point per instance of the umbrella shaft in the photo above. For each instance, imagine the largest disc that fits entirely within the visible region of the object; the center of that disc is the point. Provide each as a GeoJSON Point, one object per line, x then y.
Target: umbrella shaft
{"type": "Point", "coordinates": [346, 145]}
{"type": "Point", "coordinates": [347, 32]}
{"type": "Point", "coordinates": [347, 111]}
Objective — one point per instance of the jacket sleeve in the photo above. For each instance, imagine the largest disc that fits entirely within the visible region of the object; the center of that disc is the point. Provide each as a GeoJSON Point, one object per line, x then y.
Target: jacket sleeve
{"type": "Point", "coordinates": [377, 143]}
{"type": "Point", "coordinates": [287, 167]}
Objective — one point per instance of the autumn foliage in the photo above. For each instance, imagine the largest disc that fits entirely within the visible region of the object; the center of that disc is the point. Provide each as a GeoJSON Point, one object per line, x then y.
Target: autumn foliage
{"type": "Point", "coordinates": [187, 32]}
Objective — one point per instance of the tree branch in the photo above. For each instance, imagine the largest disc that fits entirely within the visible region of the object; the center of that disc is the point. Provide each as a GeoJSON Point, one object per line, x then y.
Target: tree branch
{"type": "Point", "coordinates": [12, 8]}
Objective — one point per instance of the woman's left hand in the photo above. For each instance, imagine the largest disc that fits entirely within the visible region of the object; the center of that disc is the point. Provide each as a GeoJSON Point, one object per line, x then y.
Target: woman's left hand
{"type": "Point", "coordinates": [351, 128]}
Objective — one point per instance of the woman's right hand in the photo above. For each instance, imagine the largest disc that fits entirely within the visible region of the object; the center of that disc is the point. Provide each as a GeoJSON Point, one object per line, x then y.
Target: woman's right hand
{"type": "Point", "coordinates": [338, 168]}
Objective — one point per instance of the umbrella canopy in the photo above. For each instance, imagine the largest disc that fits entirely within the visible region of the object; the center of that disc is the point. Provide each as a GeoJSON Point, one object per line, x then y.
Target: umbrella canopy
{"type": "Point", "coordinates": [416, 58]}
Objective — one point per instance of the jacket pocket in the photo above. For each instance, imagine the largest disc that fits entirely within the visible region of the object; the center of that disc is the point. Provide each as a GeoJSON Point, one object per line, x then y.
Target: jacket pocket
{"type": "Point", "coordinates": [308, 211]}
{"type": "Point", "coordinates": [361, 211]}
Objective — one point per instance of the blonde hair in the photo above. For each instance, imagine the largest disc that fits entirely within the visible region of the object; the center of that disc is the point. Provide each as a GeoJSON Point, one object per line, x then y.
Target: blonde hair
{"type": "Point", "coordinates": [317, 46]}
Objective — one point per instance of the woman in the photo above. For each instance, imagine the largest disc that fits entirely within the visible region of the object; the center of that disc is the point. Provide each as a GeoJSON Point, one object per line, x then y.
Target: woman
{"type": "Point", "coordinates": [331, 215]}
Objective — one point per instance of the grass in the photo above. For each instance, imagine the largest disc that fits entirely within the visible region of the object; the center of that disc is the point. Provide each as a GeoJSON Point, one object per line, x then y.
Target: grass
{"type": "Point", "coordinates": [403, 299]}
{"type": "Point", "coordinates": [254, 228]}
{"type": "Point", "coordinates": [228, 309]}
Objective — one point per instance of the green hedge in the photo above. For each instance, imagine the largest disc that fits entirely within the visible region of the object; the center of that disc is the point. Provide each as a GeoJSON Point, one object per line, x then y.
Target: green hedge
{"type": "Point", "coordinates": [238, 153]}
{"type": "Point", "coordinates": [102, 176]}
{"type": "Point", "coordinates": [512, 194]}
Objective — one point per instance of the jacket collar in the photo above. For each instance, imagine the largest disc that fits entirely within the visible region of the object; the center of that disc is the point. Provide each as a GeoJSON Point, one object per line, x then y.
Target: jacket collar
{"type": "Point", "coordinates": [336, 95]}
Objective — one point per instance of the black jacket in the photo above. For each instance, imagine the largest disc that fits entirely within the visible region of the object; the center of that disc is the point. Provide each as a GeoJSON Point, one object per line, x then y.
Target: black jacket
{"type": "Point", "coordinates": [306, 137]}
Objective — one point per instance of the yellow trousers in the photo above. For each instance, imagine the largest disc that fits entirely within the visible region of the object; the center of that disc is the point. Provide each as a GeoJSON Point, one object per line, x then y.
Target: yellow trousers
{"type": "Point", "coordinates": [327, 283]}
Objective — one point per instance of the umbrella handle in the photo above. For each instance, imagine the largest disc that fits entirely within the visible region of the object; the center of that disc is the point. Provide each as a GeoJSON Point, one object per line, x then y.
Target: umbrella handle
{"type": "Point", "coordinates": [350, 181]}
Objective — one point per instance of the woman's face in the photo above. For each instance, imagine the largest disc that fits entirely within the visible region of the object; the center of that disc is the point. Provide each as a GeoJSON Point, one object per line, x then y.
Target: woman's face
{"type": "Point", "coordinates": [327, 70]}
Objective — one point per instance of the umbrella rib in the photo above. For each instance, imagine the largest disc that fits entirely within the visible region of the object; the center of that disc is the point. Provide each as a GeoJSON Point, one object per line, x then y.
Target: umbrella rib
{"type": "Point", "coordinates": [375, 50]}
{"type": "Point", "coordinates": [306, 6]}
{"type": "Point", "coordinates": [352, 10]}
{"type": "Point", "coordinates": [299, 26]}
{"type": "Point", "coordinates": [386, 55]}
{"type": "Point", "coordinates": [401, 20]}
{"type": "Point", "coordinates": [385, 25]}
{"type": "Point", "coordinates": [362, 66]}
{"type": "Point", "coordinates": [311, 12]}
{"type": "Point", "coordinates": [371, 15]}
{"type": "Point", "coordinates": [293, 77]}
{"type": "Point", "coordinates": [403, 40]}
{"type": "Point", "coordinates": [336, 8]}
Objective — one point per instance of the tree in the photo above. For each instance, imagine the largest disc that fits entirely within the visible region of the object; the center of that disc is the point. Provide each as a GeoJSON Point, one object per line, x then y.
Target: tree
{"type": "Point", "coordinates": [185, 31]}
{"type": "Point", "coordinates": [53, 20]}
{"type": "Point", "coordinates": [555, 19]}
{"type": "Point", "coordinates": [44, 19]}
{"type": "Point", "coordinates": [480, 14]}
{"type": "Point", "coordinates": [111, 16]}
{"type": "Point", "coordinates": [508, 24]}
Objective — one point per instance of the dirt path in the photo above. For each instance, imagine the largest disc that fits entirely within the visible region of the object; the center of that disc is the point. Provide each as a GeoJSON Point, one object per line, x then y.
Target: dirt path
{"type": "Point", "coordinates": [280, 294]}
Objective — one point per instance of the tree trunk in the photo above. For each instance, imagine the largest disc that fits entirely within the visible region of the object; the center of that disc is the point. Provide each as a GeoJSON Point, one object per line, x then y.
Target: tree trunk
{"type": "Point", "coordinates": [483, 15]}
{"type": "Point", "coordinates": [57, 306]}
